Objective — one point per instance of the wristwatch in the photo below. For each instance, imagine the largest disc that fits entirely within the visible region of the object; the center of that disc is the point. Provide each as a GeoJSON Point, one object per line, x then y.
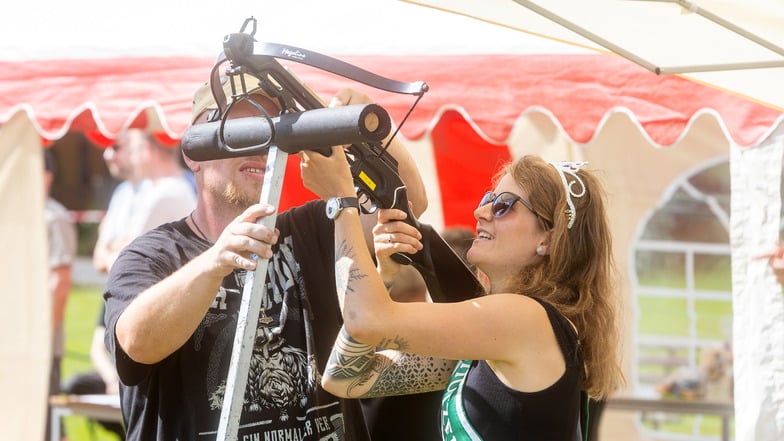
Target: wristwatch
{"type": "Point", "coordinates": [336, 205]}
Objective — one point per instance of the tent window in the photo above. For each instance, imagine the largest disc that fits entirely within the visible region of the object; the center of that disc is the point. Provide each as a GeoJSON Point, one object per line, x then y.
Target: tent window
{"type": "Point", "coordinates": [681, 286]}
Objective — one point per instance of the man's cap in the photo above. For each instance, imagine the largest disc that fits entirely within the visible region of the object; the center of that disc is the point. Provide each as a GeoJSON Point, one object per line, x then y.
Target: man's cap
{"type": "Point", "coordinates": [203, 100]}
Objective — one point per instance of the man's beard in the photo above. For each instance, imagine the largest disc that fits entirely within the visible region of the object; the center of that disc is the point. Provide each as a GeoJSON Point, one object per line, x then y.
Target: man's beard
{"type": "Point", "coordinates": [235, 197]}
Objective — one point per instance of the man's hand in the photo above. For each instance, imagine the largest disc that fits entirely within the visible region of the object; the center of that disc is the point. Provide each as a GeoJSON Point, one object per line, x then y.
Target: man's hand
{"type": "Point", "coordinates": [776, 261]}
{"type": "Point", "coordinates": [242, 238]}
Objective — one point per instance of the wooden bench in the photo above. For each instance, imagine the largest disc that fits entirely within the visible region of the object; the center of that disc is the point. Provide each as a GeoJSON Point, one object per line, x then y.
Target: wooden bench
{"type": "Point", "coordinates": [100, 407]}
{"type": "Point", "coordinates": [651, 402]}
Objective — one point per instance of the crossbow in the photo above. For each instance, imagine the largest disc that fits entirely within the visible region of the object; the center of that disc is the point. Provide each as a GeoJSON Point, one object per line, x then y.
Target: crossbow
{"type": "Point", "coordinates": [374, 170]}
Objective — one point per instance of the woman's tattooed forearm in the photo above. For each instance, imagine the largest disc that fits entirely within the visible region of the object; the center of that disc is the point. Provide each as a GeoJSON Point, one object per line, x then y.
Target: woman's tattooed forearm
{"type": "Point", "coordinates": [350, 357]}
{"type": "Point", "coordinates": [411, 374]}
{"type": "Point", "coordinates": [395, 342]}
{"type": "Point", "coordinates": [351, 360]}
{"type": "Point", "coordinates": [395, 372]}
{"type": "Point", "coordinates": [344, 249]}
{"type": "Point", "coordinates": [345, 269]}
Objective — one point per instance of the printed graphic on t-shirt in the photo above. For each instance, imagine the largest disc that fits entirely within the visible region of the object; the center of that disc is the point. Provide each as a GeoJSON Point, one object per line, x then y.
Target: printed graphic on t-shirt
{"type": "Point", "coordinates": [282, 376]}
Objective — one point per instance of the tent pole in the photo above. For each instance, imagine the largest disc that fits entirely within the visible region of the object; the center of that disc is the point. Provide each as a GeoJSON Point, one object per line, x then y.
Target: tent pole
{"type": "Point", "coordinates": [248, 318]}
{"type": "Point", "coordinates": [546, 13]}
{"type": "Point", "coordinates": [691, 6]}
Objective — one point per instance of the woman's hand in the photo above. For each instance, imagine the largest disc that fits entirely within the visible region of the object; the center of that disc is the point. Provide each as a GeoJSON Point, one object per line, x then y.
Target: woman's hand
{"type": "Point", "coordinates": [391, 235]}
{"type": "Point", "coordinates": [329, 176]}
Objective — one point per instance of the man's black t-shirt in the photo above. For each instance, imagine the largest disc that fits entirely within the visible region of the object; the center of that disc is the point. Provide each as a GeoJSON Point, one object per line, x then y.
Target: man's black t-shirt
{"type": "Point", "coordinates": [180, 398]}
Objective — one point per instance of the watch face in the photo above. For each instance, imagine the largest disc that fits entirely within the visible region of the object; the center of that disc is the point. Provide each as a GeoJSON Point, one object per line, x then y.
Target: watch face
{"type": "Point", "coordinates": [333, 207]}
{"type": "Point", "coordinates": [336, 205]}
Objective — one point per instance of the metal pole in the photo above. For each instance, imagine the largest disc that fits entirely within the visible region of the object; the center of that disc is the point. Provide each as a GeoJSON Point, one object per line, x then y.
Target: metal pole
{"type": "Point", "coordinates": [248, 317]}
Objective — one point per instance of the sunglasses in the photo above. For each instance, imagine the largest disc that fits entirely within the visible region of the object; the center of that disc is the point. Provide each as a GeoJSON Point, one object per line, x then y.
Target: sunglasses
{"type": "Point", "coordinates": [503, 202]}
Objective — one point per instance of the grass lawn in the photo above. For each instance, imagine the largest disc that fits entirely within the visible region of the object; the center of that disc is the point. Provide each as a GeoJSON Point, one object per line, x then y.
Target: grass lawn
{"type": "Point", "coordinates": [80, 318]}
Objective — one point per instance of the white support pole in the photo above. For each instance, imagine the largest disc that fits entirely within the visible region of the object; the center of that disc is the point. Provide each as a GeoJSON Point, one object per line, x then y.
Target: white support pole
{"type": "Point", "coordinates": [248, 317]}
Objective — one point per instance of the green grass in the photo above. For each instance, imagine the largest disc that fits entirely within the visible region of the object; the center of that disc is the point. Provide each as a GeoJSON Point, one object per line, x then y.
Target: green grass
{"type": "Point", "coordinates": [81, 314]}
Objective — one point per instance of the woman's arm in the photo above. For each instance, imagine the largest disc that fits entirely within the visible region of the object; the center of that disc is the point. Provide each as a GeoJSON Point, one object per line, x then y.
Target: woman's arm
{"type": "Point", "coordinates": [356, 370]}
{"type": "Point", "coordinates": [512, 330]}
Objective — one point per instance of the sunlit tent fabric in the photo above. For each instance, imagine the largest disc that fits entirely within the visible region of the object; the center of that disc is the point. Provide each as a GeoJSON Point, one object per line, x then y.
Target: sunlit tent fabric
{"type": "Point", "coordinates": [492, 98]}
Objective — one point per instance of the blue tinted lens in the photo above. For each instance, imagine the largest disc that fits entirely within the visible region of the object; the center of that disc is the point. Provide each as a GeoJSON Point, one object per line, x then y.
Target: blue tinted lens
{"type": "Point", "coordinates": [503, 203]}
{"type": "Point", "coordinates": [487, 198]}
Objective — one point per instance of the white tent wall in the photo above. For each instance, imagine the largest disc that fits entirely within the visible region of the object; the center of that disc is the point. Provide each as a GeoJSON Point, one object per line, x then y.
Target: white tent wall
{"type": "Point", "coordinates": [25, 318]}
{"type": "Point", "coordinates": [758, 303]}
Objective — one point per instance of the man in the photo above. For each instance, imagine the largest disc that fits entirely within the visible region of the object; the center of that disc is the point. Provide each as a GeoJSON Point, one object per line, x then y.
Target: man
{"type": "Point", "coordinates": [154, 190]}
{"type": "Point", "coordinates": [173, 298]}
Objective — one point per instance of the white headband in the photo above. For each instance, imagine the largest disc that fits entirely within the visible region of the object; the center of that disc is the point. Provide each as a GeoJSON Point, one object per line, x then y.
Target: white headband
{"type": "Point", "coordinates": [571, 168]}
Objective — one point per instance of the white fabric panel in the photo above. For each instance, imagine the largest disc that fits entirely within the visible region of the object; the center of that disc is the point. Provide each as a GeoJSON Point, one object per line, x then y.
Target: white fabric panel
{"type": "Point", "coordinates": [758, 302]}
{"type": "Point", "coordinates": [25, 318]}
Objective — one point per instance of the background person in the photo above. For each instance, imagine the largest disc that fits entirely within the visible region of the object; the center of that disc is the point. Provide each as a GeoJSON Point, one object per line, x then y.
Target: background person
{"type": "Point", "coordinates": [514, 361]}
{"type": "Point", "coordinates": [173, 298]}
{"type": "Point", "coordinates": [154, 190]}
{"type": "Point", "coordinates": [62, 246]}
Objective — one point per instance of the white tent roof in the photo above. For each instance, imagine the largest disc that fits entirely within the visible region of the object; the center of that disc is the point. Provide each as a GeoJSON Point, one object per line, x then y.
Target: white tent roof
{"type": "Point", "coordinates": [735, 45]}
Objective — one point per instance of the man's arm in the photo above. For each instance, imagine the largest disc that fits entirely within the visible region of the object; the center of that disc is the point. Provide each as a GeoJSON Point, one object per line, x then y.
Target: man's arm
{"type": "Point", "coordinates": [162, 318]}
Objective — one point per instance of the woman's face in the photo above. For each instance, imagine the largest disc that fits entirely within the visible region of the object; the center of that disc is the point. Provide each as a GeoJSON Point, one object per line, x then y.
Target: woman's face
{"type": "Point", "coordinates": [506, 243]}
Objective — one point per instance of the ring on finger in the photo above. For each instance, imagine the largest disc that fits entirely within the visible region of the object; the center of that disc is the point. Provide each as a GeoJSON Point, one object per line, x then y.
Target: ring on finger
{"type": "Point", "coordinates": [389, 239]}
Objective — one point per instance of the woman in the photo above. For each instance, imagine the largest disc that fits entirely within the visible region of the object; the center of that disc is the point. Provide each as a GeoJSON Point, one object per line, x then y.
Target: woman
{"type": "Point", "coordinates": [513, 362]}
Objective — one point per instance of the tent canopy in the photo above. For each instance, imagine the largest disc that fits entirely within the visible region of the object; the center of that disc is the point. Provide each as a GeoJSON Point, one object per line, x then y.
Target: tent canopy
{"type": "Point", "coordinates": [96, 72]}
{"type": "Point", "coordinates": [734, 45]}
